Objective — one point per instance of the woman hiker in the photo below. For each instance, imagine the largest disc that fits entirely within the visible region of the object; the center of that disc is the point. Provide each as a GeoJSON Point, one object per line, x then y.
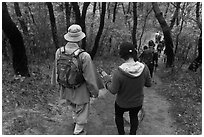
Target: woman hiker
{"type": "Point", "coordinates": [128, 82]}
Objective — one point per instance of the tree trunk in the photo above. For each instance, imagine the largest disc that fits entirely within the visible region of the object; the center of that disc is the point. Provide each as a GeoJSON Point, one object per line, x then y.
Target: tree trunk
{"type": "Point", "coordinates": [94, 9]}
{"type": "Point", "coordinates": [20, 18]}
{"type": "Point", "coordinates": [68, 13]}
{"type": "Point", "coordinates": [114, 11]}
{"type": "Point", "coordinates": [198, 61]}
{"type": "Point", "coordinates": [26, 4]}
{"type": "Point", "coordinates": [199, 22]}
{"type": "Point", "coordinates": [108, 8]}
{"type": "Point", "coordinates": [92, 23]}
{"type": "Point", "coordinates": [143, 27]}
{"type": "Point", "coordinates": [20, 63]}
{"type": "Point", "coordinates": [102, 17]}
{"type": "Point", "coordinates": [167, 35]}
{"type": "Point", "coordinates": [53, 24]}
{"type": "Point", "coordinates": [80, 19]}
{"type": "Point", "coordinates": [134, 41]}
{"type": "Point", "coordinates": [83, 23]}
{"type": "Point", "coordinates": [5, 47]}
{"type": "Point", "coordinates": [175, 16]}
{"type": "Point", "coordinates": [77, 13]}
{"type": "Point", "coordinates": [123, 9]}
{"type": "Point", "coordinates": [128, 10]}
{"type": "Point", "coordinates": [181, 27]}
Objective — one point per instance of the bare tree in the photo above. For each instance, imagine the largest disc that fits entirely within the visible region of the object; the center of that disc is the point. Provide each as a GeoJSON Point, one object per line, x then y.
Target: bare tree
{"type": "Point", "coordinates": [167, 35]}
{"type": "Point", "coordinates": [80, 19]}
{"type": "Point", "coordinates": [53, 24]}
{"type": "Point", "coordinates": [68, 13]}
{"type": "Point", "coordinates": [198, 61]}
{"type": "Point", "coordinates": [20, 63]}
{"type": "Point", "coordinates": [100, 31]}
{"type": "Point", "coordinates": [92, 23]}
{"type": "Point", "coordinates": [180, 29]}
{"type": "Point", "coordinates": [134, 41]}
{"type": "Point", "coordinates": [20, 18]}
{"type": "Point", "coordinates": [114, 11]}
{"type": "Point", "coordinates": [143, 27]}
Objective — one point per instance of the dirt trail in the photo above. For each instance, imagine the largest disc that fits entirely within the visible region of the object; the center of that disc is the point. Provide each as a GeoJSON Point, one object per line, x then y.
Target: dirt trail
{"type": "Point", "coordinates": [157, 120]}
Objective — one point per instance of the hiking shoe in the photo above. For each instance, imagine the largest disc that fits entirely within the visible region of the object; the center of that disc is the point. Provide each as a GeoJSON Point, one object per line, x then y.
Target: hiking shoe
{"type": "Point", "coordinates": [83, 132]}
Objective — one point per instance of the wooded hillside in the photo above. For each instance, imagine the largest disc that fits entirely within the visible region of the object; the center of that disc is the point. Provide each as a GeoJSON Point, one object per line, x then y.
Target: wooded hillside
{"type": "Point", "coordinates": [42, 26]}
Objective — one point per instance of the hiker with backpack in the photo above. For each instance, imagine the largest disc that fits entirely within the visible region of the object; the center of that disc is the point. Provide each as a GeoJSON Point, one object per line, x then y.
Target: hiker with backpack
{"type": "Point", "coordinates": [128, 82]}
{"type": "Point", "coordinates": [150, 57]}
{"type": "Point", "coordinates": [76, 75]}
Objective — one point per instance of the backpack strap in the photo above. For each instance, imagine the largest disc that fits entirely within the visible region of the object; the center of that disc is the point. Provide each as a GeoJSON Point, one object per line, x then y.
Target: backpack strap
{"type": "Point", "coordinates": [78, 59]}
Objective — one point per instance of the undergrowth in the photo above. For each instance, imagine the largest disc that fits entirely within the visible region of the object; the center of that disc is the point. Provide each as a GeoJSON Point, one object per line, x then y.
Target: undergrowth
{"type": "Point", "coordinates": [183, 89]}
{"type": "Point", "coordinates": [30, 105]}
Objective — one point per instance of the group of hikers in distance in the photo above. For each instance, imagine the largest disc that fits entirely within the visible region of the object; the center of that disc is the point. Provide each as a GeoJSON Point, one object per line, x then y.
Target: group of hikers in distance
{"type": "Point", "coordinates": [79, 82]}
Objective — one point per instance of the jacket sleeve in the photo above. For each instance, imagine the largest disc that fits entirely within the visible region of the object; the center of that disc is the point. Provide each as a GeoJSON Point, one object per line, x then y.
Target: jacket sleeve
{"type": "Point", "coordinates": [114, 85]}
{"type": "Point", "coordinates": [148, 80]}
{"type": "Point", "coordinates": [89, 74]}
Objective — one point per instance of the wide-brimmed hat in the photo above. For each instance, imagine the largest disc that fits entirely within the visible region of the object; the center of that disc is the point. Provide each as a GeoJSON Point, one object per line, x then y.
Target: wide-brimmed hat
{"type": "Point", "coordinates": [74, 33]}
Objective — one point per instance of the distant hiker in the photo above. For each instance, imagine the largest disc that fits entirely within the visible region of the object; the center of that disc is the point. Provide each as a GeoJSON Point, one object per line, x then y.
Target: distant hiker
{"type": "Point", "coordinates": [128, 82]}
{"type": "Point", "coordinates": [157, 37]}
{"type": "Point", "coordinates": [76, 75]}
{"type": "Point", "coordinates": [150, 57]}
{"type": "Point", "coordinates": [159, 48]}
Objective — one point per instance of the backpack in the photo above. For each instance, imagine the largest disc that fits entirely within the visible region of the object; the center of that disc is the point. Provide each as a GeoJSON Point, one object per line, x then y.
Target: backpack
{"type": "Point", "coordinates": [69, 70]}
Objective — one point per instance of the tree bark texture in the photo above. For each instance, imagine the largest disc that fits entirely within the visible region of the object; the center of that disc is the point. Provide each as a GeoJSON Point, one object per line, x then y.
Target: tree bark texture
{"type": "Point", "coordinates": [68, 13]}
{"type": "Point", "coordinates": [83, 22]}
{"type": "Point", "coordinates": [108, 9]}
{"type": "Point", "coordinates": [20, 63]}
{"type": "Point", "coordinates": [20, 18]}
{"type": "Point", "coordinates": [100, 31]}
{"type": "Point", "coordinates": [53, 24]}
{"type": "Point", "coordinates": [30, 11]}
{"type": "Point", "coordinates": [80, 19]}
{"type": "Point", "coordinates": [77, 13]}
{"type": "Point", "coordinates": [198, 61]}
{"type": "Point", "coordinates": [134, 41]}
{"type": "Point", "coordinates": [199, 22]}
{"type": "Point", "coordinates": [167, 35]}
{"type": "Point", "coordinates": [114, 11]}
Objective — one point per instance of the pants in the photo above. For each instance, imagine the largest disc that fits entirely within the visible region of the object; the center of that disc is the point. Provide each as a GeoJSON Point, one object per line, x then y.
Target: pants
{"type": "Point", "coordinates": [133, 114]}
{"type": "Point", "coordinates": [80, 116]}
{"type": "Point", "coordinates": [151, 69]}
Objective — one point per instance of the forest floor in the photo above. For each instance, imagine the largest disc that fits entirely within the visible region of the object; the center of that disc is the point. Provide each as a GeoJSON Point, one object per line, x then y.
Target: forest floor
{"type": "Point", "coordinates": [29, 107]}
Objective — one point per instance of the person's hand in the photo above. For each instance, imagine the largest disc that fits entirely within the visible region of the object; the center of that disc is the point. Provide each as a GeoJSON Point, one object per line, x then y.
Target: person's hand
{"type": "Point", "coordinates": [102, 93]}
{"type": "Point", "coordinates": [92, 100]}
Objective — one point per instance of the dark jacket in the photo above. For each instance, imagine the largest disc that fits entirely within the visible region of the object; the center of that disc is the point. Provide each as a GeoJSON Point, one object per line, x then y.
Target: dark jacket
{"type": "Point", "coordinates": [128, 82]}
{"type": "Point", "coordinates": [149, 57]}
